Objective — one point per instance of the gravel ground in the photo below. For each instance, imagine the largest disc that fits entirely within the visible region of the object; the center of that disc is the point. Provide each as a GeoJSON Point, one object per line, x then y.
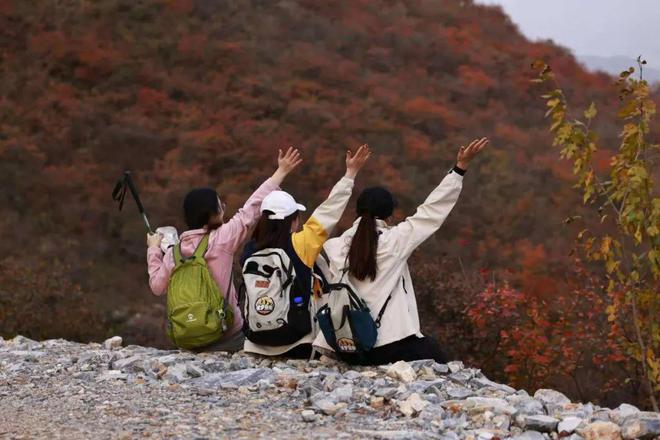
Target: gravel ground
{"type": "Point", "coordinates": [60, 389]}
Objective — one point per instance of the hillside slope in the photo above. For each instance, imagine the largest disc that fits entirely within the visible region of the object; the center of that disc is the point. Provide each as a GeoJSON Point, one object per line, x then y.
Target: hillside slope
{"type": "Point", "coordinates": [189, 93]}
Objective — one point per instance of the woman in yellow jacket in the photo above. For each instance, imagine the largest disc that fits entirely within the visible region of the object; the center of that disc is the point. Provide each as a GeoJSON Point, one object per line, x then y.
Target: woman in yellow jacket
{"type": "Point", "coordinates": [279, 229]}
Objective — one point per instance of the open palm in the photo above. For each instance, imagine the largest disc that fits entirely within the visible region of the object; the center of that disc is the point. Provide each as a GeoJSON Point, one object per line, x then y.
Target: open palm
{"type": "Point", "coordinates": [467, 154]}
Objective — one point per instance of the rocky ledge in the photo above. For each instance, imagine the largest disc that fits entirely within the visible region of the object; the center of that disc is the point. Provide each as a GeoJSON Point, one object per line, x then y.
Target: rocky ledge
{"type": "Point", "coordinates": [57, 388]}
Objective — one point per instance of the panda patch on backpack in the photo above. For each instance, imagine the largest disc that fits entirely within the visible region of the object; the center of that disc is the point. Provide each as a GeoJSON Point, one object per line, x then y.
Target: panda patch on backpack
{"type": "Point", "coordinates": [264, 305]}
{"type": "Point", "coordinates": [346, 345]}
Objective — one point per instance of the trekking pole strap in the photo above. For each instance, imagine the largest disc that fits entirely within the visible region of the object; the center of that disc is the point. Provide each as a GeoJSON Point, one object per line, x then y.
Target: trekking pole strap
{"type": "Point", "coordinates": [119, 194]}
{"type": "Point", "coordinates": [131, 186]}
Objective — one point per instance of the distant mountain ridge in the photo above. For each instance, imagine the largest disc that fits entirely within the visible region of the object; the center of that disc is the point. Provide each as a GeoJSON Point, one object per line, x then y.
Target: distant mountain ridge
{"type": "Point", "coordinates": [616, 64]}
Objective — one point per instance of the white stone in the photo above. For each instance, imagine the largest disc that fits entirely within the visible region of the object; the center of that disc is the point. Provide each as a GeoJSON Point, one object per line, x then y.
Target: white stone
{"type": "Point", "coordinates": [130, 362]}
{"type": "Point", "coordinates": [552, 396]}
{"type": "Point", "coordinates": [455, 366]}
{"type": "Point", "coordinates": [529, 435]}
{"type": "Point", "coordinates": [540, 423]}
{"type": "Point", "coordinates": [194, 371]}
{"type": "Point", "coordinates": [624, 410]}
{"type": "Point", "coordinates": [402, 371]}
{"type": "Point", "coordinates": [642, 425]}
{"type": "Point", "coordinates": [412, 405]}
{"type": "Point", "coordinates": [326, 406]}
{"type": "Point", "coordinates": [601, 431]}
{"type": "Point", "coordinates": [484, 382]}
{"type": "Point", "coordinates": [553, 401]}
{"type": "Point", "coordinates": [525, 404]}
{"type": "Point", "coordinates": [176, 373]}
{"type": "Point", "coordinates": [113, 343]}
{"type": "Point", "coordinates": [342, 394]}
{"type": "Point", "coordinates": [502, 422]}
{"type": "Point", "coordinates": [496, 405]}
{"type": "Point", "coordinates": [308, 415]}
{"type": "Point", "coordinates": [569, 425]}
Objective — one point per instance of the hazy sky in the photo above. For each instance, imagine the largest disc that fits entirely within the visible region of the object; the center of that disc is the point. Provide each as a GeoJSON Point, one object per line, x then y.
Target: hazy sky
{"type": "Point", "coordinates": [591, 27]}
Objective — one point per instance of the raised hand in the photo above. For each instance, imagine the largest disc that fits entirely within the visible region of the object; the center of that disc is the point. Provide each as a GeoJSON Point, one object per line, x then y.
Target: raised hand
{"type": "Point", "coordinates": [287, 162]}
{"type": "Point", "coordinates": [355, 162]}
{"type": "Point", "coordinates": [466, 154]}
{"type": "Point", "coordinates": [153, 240]}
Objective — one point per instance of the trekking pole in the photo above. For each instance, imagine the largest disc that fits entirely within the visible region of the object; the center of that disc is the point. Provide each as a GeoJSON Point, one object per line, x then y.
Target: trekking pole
{"type": "Point", "coordinates": [119, 192]}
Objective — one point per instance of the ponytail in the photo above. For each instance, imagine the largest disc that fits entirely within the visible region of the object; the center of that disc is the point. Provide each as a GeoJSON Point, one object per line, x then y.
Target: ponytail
{"type": "Point", "coordinates": [362, 254]}
{"type": "Point", "coordinates": [373, 203]}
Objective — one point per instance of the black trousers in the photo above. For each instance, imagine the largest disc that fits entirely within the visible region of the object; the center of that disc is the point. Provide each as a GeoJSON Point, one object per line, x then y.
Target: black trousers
{"type": "Point", "coordinates": [411, 348]}
{"type": "Point", "coordinates": [302, 351]}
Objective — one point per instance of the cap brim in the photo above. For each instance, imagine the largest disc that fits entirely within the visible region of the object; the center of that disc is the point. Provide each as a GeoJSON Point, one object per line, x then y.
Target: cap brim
{"type": "Point", "coordinates": [301, 207]}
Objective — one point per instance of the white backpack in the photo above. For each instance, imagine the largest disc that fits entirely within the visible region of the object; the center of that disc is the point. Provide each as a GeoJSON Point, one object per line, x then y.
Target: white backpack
{"type": "Point", "coordinates": [275, 312]}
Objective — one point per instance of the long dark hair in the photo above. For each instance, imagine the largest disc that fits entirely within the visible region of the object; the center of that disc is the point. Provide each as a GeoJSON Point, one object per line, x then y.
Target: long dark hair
{"type": "Point", "coordinates": [374, 203]}
{"type": "Point", "coordinates": [199, 207]}
{"type": "Point", "coordinates": [273, 233]}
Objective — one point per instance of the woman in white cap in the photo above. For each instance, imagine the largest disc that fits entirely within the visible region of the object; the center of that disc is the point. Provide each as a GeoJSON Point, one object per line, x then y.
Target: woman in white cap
{"type": "Point", "coordinates": [279, 228]}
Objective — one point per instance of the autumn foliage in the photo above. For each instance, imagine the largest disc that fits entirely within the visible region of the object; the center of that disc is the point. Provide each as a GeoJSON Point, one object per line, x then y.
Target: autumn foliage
{"type": "Point", "coordinates": [192, 93]}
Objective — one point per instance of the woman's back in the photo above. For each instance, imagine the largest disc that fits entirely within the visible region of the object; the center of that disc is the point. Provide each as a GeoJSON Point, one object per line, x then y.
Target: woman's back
{"type": "Point", "coordinates": [392, 278]}
{"type": "Point", "coordinates": [394, 245]}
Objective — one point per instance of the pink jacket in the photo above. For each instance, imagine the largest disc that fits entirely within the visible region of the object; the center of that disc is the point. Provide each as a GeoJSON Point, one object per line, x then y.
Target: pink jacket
{"type": "Point", "coordinates": [223, 243]}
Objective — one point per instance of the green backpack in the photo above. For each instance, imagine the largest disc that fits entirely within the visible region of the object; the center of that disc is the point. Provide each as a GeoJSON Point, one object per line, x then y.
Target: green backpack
{"type": "Point", "coordinates": [196, 310]}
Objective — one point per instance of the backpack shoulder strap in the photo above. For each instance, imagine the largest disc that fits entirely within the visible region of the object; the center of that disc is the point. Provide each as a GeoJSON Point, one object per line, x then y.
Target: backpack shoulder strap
{"type": "Point", "coordinates": [202, 247]}
{"type": "Point", "coordinates": [178, 257]}
{"type": "Point", "coordinates": [382, 310]}
{"type": "Point", "coordinates": [325, 256]}
{"type": "Point", "coordinates": [288, 271]}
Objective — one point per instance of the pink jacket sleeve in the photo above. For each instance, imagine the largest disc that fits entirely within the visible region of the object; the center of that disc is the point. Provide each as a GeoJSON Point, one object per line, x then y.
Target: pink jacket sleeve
{"type": "Point", "coordinates": [159, 267]}
{"type": "Point", "coordinates": [233, 233]}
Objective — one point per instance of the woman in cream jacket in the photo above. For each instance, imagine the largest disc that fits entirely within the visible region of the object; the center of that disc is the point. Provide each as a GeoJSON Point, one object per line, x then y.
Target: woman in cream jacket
{"type": "Point", "coordinates": [375, 256]}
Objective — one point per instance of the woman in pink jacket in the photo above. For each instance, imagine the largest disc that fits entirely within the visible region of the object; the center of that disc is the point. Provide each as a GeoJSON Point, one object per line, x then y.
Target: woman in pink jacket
{"type": "Point", "coordinates": [204, 211]}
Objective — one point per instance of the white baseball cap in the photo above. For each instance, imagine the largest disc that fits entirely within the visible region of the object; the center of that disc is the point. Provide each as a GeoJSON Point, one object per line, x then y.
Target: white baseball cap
{"type": "Point", "coordinates": [281, 204]}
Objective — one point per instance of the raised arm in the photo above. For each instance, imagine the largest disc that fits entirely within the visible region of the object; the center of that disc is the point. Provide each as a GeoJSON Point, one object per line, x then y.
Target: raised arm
{"type": "Point", "coordinates": [431, 214]}
{"type": "Point", "coordinates": [309, 242]}
{"type": "Point", "coordinates": [159, 266]}
{"type": "Point", "coordinates": [235, 231]}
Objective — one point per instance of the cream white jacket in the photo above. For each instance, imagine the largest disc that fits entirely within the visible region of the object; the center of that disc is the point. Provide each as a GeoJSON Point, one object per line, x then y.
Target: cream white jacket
{"type": "Point", "coordinates": [395, 244]}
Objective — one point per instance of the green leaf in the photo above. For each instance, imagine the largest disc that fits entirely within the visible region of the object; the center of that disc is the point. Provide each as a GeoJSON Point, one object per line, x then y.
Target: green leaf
{"type": "Point", "coordinates": [591, 112]}
{"type": "Point", "coordinates": [553, 102]}
{"type": "Point", "coordinates": [611, 266]}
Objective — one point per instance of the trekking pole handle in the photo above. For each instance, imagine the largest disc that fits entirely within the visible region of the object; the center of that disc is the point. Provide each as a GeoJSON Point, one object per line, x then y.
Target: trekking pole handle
{"type": "Point", "coordinates": [131, 186]}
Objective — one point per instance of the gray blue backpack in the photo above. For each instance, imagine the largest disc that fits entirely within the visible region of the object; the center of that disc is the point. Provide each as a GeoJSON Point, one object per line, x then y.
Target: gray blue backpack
{"type": "Point", "coordinates": [346, 321]}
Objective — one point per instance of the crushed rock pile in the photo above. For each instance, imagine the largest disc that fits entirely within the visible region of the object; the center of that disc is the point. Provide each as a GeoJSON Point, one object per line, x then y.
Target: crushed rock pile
{"type": "Point", "coordinates": [61, 389]}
